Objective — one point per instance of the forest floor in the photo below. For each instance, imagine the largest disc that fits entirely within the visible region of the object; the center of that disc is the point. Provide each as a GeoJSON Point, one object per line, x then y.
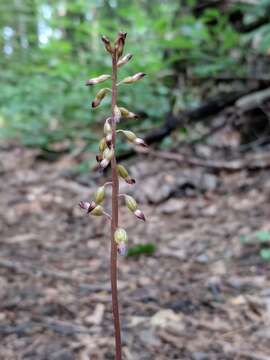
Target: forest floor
{"type": "Point", "coordinates": [204, 294]}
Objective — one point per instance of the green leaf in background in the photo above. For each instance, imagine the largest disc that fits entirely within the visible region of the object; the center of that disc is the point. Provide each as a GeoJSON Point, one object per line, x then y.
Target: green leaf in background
{"type": "Point", "coordinates": [265, 254]}
{"type": "Point", "coordinates": [49, 49]}
{"type": "Point", "coordinates": [141, 249]}
{"type": "Point", "coordinates": [263, 236]}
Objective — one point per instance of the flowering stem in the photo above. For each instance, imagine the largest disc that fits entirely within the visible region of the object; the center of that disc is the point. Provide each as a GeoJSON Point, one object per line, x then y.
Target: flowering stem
{"type": "Point", "coordinates": [114, 221]}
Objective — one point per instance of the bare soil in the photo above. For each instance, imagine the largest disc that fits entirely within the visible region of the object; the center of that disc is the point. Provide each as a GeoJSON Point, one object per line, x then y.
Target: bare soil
{"type": "Point", "coordinates": [203, 295]}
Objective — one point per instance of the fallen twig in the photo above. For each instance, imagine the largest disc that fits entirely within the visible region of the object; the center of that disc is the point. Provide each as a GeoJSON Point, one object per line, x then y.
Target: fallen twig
{"type": "Point", "coordinates": [251, 162]}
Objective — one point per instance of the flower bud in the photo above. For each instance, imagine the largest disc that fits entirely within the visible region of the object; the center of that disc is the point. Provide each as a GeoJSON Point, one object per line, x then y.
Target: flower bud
{"type": "Point", "coordinates": [99, 97]}
{"type": "Point", "coordinates": [97, 211]}
{"type": "Point", "coordinates": [117, 114]}
{"type": "Point", "coordinates": [123, 173]}
{"type": "Point", "coordinates": [102, 145]}
{"type": "Point", "coordinates": [120, 236]}
{"type": "Point", "coordinates": [134, 78]}
{"type": "Point", "coordinates": [129, 135]}
{"type": "Point", "coordinates": [107, 44]}
{"type": "Point", "coordinates": [122, 249]}
{"type": "Point", "coordinates": [139, 214]}
{"type": "Point", "coordinates": [130, 203]}
{"type": "Point", "coordinates": [120, 43]}
{"type": "Point", "coordinates": [125, 113]}
{"type": "Point", "coordinates": [124, 60]}
{"type": "Point", "coordinates": [98, 79]}
{"type": "Point", "coordinates": [107, 126]}
{"type": "Point", "coordinates": [133, 138]}
{"type": "Point", "coordinates": [100, 195]}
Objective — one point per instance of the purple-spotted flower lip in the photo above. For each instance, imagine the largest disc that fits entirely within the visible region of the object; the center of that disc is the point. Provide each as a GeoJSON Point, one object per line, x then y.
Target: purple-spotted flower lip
{"type": "Point", "coordinates": [86, 205]}
{"type": "Point", "coordinates": [122, 249]}
{"type": "Point", "coordinates": [139, 214]}
{"type": "Point", "coordinates": [141, 142]}
{"type": "Point", "coordinates": [129, 180]}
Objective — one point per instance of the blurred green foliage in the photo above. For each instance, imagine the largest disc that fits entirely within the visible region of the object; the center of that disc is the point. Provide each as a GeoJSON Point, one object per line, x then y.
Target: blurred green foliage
{"type": "Point", "coordinates": [141, 249]}
{"type": "Point", "coordinates": [50, 48]}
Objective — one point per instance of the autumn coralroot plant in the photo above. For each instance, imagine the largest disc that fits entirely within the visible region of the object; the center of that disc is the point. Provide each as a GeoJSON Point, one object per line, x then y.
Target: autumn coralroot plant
{"type": "Point", "coordinates": [107, 157]}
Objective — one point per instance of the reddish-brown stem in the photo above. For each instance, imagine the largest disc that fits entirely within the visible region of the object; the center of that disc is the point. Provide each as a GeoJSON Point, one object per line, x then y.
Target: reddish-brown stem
{"type": "Point", "coordinates": [114, 221]}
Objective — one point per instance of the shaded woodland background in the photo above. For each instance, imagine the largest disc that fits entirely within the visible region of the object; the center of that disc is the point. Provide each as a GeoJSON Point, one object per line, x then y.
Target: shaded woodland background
{"type": "Point", "coordinates": [196, 282]}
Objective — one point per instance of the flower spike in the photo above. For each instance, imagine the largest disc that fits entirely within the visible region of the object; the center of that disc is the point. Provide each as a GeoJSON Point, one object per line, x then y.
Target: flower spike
{"type": "Point", "coordinates": [106, 157]}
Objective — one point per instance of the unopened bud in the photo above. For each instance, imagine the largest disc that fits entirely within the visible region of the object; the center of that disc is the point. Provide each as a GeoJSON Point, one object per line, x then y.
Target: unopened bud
{"type": "Point", "coordinates": [134, 78]}
{"type": "Point", "coordinates": [120, 43]}
{"type": "Point", "coordinates": [120, 236]}
{"type": "Point", "coordinates": [124, 60]}
{"type": "Point", "coordinates": [125, 113]}
{"type": "Point", "coordinates": [122, 249]}
{"type": "Point", "coordinates": [107, 44]}
{"type": "Point", "coordinates": [130, 203]}
{"type": "Point", "coordinates": [133, 138]}
{"type": "Point", "coordinates": [100, 195]}
{"type": "Point", "coordinates": [102, 145]}
{"type": "Point", "coordinates": [107, 126]}
{"type": "Point", "coordinates": [99, 97]}
{"type": "Point", "coordinates": [129, 135]}
{"type": "Point", "coordinates": [139, 214]}
{"type": "Point", "coordinates": [98, 79]}
{"type": "Point", "coordinates": [97, 211]}
{"type": "Point", "coordinates": [123, 173]}
{"type": "Point", "coordinates": [117, 114]}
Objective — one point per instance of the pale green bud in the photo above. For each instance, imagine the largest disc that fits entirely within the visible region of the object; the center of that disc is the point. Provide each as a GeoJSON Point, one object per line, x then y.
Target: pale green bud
{"type": "Point", "coordinates": [102, 145]}
{"type": "Point", "coordinates": [98, 79]}
{"type": "Point", "coordinates": [132, 79]}
{"type": "Point", "coordinates": [120, 236]}
{"type": "Point", "coordinates": [125, 113]}
{"type": "Point", "coordinates": [100, 195]}
{"type": "Point", "coordinates": [107, 126]}
{"type": "Point", "coordinates": [123, 173]}
{"type": "Point", "coordinates": [129, 135]}
{"type": "Point", "coordinates": [130, 203]}
{"type": "Point", "coordinates": [124, 60]}
{"type": "Point", "coordinates": [97, 211]}
{"type": "Point", "coordinates": [117, 113]}
{"type": "Point", "coordinates": [100, 96]}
